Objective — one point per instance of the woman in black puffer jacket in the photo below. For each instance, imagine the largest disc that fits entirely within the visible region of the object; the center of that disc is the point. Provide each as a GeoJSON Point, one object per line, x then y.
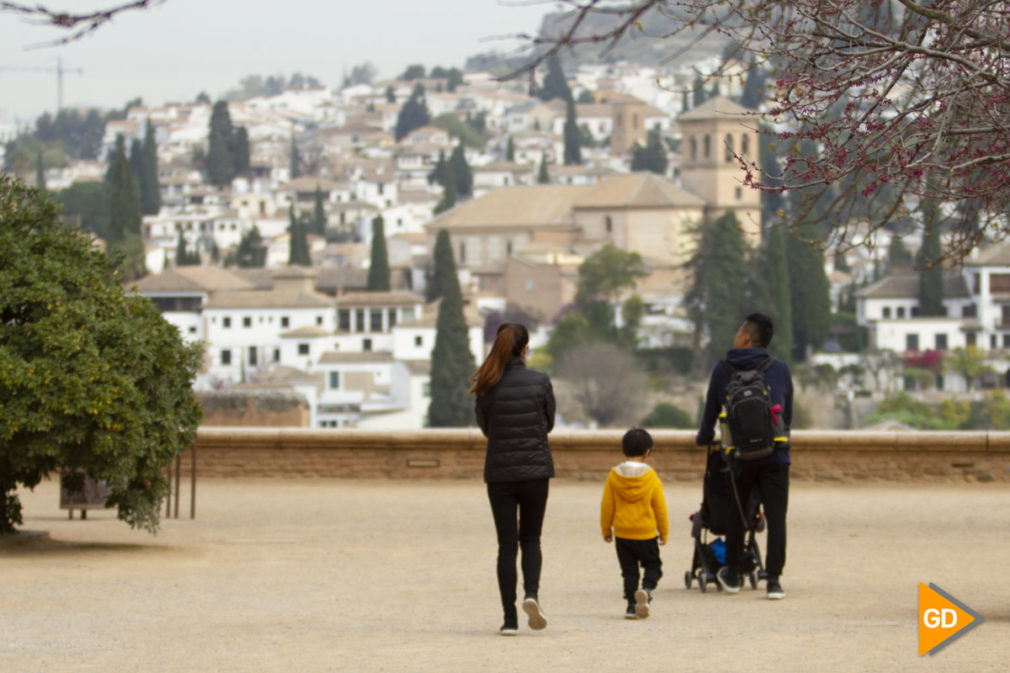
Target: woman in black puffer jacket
{"type": "Point", "coordinates": [515, 411]}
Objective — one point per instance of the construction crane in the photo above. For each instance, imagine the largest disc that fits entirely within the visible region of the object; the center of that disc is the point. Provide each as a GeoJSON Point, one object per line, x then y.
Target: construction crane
{"type": "Point", "coordinates": [60, 72]}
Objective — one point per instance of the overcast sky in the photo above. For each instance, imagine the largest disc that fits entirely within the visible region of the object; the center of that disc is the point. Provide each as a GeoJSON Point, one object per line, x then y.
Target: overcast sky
{"type": "Point", "coordinates": [182, 47]}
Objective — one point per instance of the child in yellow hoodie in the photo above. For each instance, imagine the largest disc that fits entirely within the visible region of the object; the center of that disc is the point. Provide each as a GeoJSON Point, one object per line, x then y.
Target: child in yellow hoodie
{"type": "Point", "coordinates": [633, 511]}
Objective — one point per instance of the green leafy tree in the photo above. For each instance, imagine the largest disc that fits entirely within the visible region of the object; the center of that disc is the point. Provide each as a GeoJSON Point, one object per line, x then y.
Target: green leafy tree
{"type": "Point", "coordinates": [251, 252]}
{"type": "Point", "coordinates": [413, 71]}
{"type": "Point", "coordinates": [666, 415]}
{"type": "Point", "coordinates": [809, 290]}
{"type": "Point", "coordinates": [182, 255]}
{"type": "Point", "coordinates": [40, 172]}
{"type": "Point", "coordinates": [652, 157]}
{"type": "Point", "coordinates": [378, 270]}
{"type": "Point", "coordinates": [88, 202]}
{"type": "Point", "coordinates": [772, 295]}
{"type": "Point", "coordinates": [413, 115]}
{"type": "Point", "coordinates": [456, 127]}
{"type": "Point", "coordinates": [573, 150]}
{"type": "Point", "coordinates": [930, 263]}
{"type": "Point", "coordinates": [124, 213]}
{"type": "Point", "coordinates": [444, 271]}
{"type": "Point", "coordinates": [969, 362]}
{"type": "Point", "coordinates": [91, 379]}
{"type": "Point", "coordinates": [607, 273]}
{"type": "Point", "coordinates": [451, 359]}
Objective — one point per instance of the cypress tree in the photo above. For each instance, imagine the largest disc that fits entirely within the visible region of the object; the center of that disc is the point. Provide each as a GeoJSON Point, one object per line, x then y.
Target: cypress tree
{"type": "Point", "coordinates": [414, 113]}
{"type": "Point", "coordinates": [150, 189]}
{"type": "Point", "coordinates": [555, 83]}
{"type": "Point", "coordinates": [808, 290]}
{"type": "Point", "coordinates": [124, 203]}
{"type": "Point", "coordinates": [180, 251]}
{"type": "Point", "coordinates": [449, 191]}
{"type": "Point", "coordinates": [930, 263]}
{"type": "Point", "coordinates": [378, 270]}
{"type": "Point", "coordinates": [296, 159]}
{"type": "Point", "coordinates": [510, 150]}
{"type": "Point", "coordinates": [298, 252]}
{"type": "Point", "coordinates": [779, 307]}
{"type": "Point", "coordinates": [318, 214]}
{"type": "Point", "coordinates": [445, 266]}
{"type": "Point", "coordinates": [240, 151]}
{"type": "Point", "coordinates": [220, 160]}
{"type": "Point", "coordinates": [898, 256]}
{"type": "Point", "coordinates": [251, 252]}
{"type": "Point", "coordinates": [438, 173]}
{"type": "Point", "coordinates": [40, 172]}
{"type": "Point", "coordinates": [461, 172]}
{"type": "Point", "coordinates": [652, 157]}
{"type": "Point", "coordinates": [543, 177]}
{"type": "Point", "coordinates": [573, 153]}
{"type": "Point", "coordinates": [137, 167]}
{"type": "Point", "coordinates": [451, 359]}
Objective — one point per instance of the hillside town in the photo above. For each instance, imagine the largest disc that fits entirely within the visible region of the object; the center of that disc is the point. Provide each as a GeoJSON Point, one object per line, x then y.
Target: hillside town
{"type": "Point", "coordinates": [268, 265]}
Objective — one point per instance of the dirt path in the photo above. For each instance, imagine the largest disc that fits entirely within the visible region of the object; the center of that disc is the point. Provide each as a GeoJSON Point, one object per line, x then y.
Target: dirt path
{"type": "Point", "coordinates": [399, 576]}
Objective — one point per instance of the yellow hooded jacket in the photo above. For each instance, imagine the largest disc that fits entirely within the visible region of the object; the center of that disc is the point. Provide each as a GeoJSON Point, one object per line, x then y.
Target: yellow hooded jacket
{"type": "Point", "coordinates": [633, 503]}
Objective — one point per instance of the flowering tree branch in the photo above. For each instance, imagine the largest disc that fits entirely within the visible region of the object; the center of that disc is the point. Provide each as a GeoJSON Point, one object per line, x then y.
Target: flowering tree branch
{"type": "Point", "coordinates": [888, 102]}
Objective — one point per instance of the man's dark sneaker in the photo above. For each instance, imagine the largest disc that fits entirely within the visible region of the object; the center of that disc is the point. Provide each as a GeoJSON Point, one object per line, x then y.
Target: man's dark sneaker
{"type": "Point", "coordinates": [630, 612]}
{"type": "Point", "coordinates": [728, 580]}
{"type": "Point", "coordinates": [774, 589]}
{"type": "Point", "coordinates": [538, 620]}
{"type": "Point", "coordinates": [509, 630]}
{"type": "Point", "coordinates": [642, 599]}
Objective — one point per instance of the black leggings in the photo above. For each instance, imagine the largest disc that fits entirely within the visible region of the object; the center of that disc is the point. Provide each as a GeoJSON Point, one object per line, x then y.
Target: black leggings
{"type": "Point", "coordinates": [530, 498]}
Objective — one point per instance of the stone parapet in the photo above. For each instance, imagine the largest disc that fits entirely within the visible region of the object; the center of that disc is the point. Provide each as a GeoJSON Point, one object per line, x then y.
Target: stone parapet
{"type": "Point", "coordinates": [817, 455]}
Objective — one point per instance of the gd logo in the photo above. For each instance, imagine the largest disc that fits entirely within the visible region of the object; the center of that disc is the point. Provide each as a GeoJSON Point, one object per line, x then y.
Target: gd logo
{"type": "Point", "coordinates": [942, 619]}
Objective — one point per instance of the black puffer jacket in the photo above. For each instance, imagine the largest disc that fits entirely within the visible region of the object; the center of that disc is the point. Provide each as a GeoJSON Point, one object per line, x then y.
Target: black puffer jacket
{"type": "Point", "coordinates": [515, 415]}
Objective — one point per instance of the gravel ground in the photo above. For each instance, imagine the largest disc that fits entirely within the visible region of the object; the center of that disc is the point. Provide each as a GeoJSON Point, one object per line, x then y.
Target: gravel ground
{"type": "Point", "coordinates": [335, 575]}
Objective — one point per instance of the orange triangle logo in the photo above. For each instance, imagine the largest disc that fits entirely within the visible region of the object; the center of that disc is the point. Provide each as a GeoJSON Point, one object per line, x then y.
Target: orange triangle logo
{"type": "Point", "coordinates": [942, 619]}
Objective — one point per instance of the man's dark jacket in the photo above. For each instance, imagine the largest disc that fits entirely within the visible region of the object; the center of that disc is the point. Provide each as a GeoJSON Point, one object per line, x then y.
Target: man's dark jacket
{"type": "Point", "coordinates": [515, 415]}
{"type": "Point", "coordinates": [780, 388]}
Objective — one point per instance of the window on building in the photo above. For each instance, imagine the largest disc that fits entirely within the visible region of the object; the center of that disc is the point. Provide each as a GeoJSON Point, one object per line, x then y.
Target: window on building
{"type": "Point", "coordinates": [426, 389]}
{"type": "Point", "coordinates": [976, 283]}
{"type": "Point", "coordinates": [706, 146]}
{"type": "Point", "coordinates": [344, 319]}
{"type": "Point", "coordinates": [508, 248]}
{"type": "Point", "coordinates": [1006, 341]}
{"type": "Point", "coordinates": [391, 317]}
{"type": "Point", "coordinates": [303, 349]}
{"type": "Point", "coordinates": [694, 147]}
{"type": "Point", "coordinates": [366, 345]}
{"type": "Point", "coordinates": [941, 342]}
{"type": "Point", "coordinates": [382, 188]}
{"type": "Point", "coordinates": [969, 311]}
{"type": "Point", "coordinates": [886, 312]}
{"type": "Point", "coordinates": [319, 321]}
{"type": "Point", "coordinates": [408, 314]}
{"type": "Point", "coordinates": [334, 380]}
{"type": "Point", "coordinates": [375, 320]}
{"type": "Point", "coordinates": [285, 321]}
{"type": "Point", "coordinates": [999, 283]}
{"type": "Point", "coordinates": [226, 322]}
{"type": "Point", "coordinates": [729, 148]}
{"type": "Point", "coordinates": [252, 356]}
{"type": "Point", "coordinates": [277, 355]}
{"type": "Point", "coordinates": [418, 341]}
{"type": "Point", "coordinates": [971, 338]}
{"type": "Point", "coordinates": [359, 320]}
{"type": "Point", "coordinates": [901, 311]}
{"type": "Point", "coordinates": [911, 342]}
{"type": "Point", "coordinates": [739, 193]}
{"type": "Point", "coordinates": [462, 253]}
{"type": "Point", "coordinates": [226, 357]}
{"type": "Point", "coordinates": [915, 311]}
{"type": "Point", "coordinates": [608, 224]}
{"type": "Point", "coordinates": [745, 144]}
{"type": "Point", "coordinates": [247, 322]}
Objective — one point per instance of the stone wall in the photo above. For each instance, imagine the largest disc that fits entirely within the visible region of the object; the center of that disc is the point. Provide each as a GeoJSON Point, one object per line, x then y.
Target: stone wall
{"type": "Point", "coordinates": [838, 456]}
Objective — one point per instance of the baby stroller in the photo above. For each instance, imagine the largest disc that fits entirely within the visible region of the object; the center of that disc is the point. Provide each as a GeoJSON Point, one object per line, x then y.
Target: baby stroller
{"type": "Point", "coordinates": [719, 502]}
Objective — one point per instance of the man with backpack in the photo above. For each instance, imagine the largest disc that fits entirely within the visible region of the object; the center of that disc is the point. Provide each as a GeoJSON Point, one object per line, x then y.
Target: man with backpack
{"type": "Point", "coordinates": [756, 391]}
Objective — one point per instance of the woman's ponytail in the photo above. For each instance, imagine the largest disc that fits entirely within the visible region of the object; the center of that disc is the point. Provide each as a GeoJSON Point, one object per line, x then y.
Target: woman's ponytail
{"type": "Point", "coordinates": [509, 342]}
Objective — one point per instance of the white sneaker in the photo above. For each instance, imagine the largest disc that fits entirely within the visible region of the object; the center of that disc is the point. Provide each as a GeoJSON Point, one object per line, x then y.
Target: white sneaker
{"type": "Point", "coordinates": [728, 584]}
{"type": "Point", "coordinates": [508, 631]}
{"type": "Point", "coordinates": [538, 620]}
{"type": "Point", "coordinates": [642, 598]}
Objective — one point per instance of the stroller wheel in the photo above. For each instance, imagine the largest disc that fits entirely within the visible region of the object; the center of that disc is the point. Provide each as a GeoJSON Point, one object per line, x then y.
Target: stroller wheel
{"type": "Point", "coordinates": [687, 579]}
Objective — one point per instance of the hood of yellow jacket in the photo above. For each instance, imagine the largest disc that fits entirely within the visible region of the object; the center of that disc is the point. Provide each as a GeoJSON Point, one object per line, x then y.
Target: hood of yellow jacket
{"type": "Point", "coordinates": [634, 480]}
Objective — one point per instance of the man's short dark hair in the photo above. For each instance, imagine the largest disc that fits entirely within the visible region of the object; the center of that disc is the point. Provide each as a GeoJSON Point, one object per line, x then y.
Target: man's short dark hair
{"type": "Point", "coordinates": [761, 329]}
{"type": "Point", "coordinates": [636, 442]}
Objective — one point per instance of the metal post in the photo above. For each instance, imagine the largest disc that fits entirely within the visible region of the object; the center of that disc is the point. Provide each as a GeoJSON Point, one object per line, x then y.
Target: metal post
{"type": "Point", "coordinates": [178, 484]}
{"type": "Point", "coordinates": [192, 483]}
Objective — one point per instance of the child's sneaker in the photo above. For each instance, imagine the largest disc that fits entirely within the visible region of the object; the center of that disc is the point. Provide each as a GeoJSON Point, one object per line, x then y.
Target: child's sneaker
{"type": "Point", "coordinates": [630, 612]}
{"type": "Point", "coordinates": [538, 620]}
{"type": "Point", "coordinates": [642, 599]}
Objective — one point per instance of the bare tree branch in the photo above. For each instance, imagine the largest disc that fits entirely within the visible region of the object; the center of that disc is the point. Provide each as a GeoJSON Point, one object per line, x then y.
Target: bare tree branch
{"type": "Point", "coordinates": [78, 23]}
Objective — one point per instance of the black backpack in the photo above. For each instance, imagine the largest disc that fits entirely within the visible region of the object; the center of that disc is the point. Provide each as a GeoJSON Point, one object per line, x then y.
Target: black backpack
{"type": "Point", "coordinates": [748, 408]}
